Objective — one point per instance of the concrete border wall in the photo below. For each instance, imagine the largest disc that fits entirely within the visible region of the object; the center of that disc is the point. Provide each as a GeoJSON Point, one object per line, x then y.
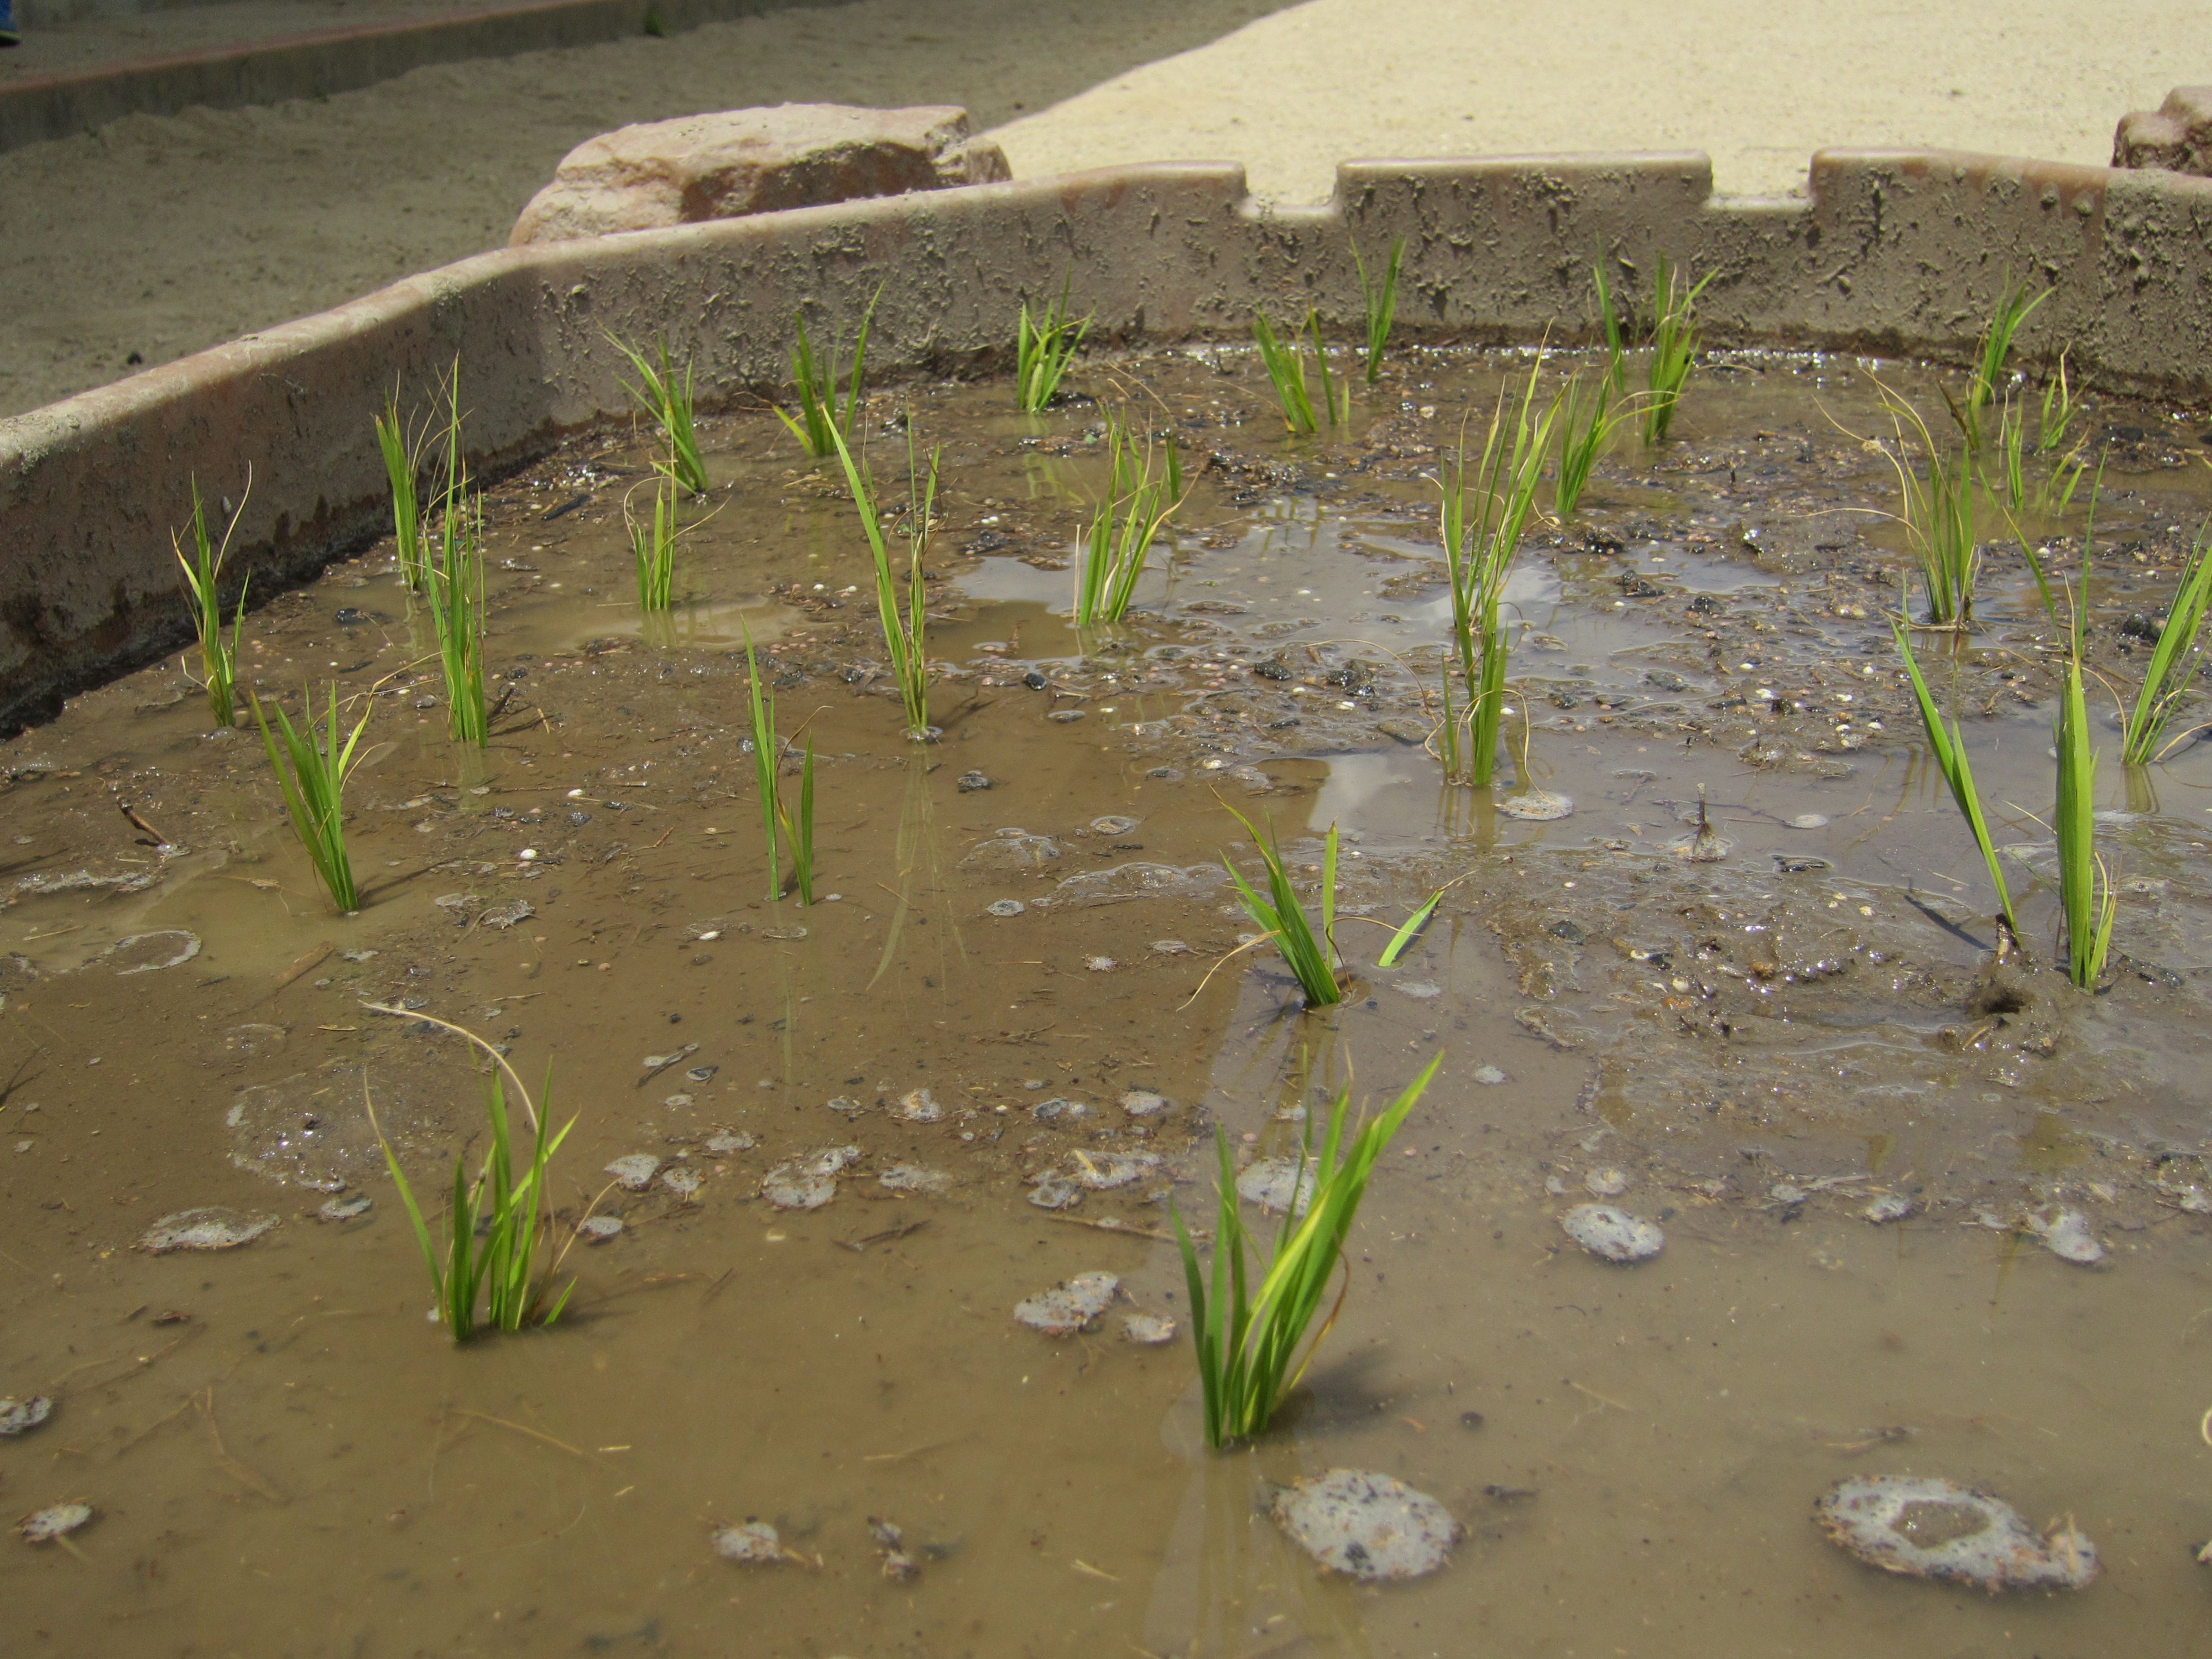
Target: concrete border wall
{"type": "Point", "coordinates": [1895, 251]}
{"type": "Point", "coordinates": [36, 108]}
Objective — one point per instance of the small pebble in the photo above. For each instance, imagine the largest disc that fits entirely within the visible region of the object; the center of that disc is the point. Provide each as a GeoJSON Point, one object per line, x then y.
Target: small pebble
{"type": "Point", "coordinates": [1366, 1525]}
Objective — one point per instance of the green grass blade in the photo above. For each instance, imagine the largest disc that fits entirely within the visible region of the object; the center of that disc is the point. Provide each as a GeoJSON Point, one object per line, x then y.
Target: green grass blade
{"type": "Point", "coordinates": [1380, 304]}
{"type": "Point", "coordinates": [1408, 932]}
{"type": "Point", "coordinates": [2166, 679]}
{"type": "Point", "coordinates": [1286, 370]}
{"type": "Point", "coordinates": [1948, 745]}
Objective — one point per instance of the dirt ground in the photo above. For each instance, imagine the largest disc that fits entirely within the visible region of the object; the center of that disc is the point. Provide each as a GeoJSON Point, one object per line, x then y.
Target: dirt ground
{"type": "Point", "coordinates": [154, 237]}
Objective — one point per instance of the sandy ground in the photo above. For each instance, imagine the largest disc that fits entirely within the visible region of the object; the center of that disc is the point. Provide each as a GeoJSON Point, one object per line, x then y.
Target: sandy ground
{"type": "Point", "coordinates": [1757, 84]}
{"type": "Point", "coordinates": [158, 236]}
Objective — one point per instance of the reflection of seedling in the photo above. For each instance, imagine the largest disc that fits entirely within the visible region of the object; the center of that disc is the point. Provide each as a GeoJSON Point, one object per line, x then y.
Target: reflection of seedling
{"type": "Point", "coordinates": [1281, 919]}
{"type": "Point", "coordinates": [497, 1224]}
{"type": "Point", "coordinates": [2174, 658]}
{"type": "Point", "coordinates": [905, 629]}
{"type": "Point", "coordinates": [1119, 539]}
{"type": "Point", "coordinates": [1285, 365]}
{"type": "Point", "coordinates": [797, 823]}
{"type": "Point", "coordinates": [312, 769]}
{"type": "Point", "coordinates": [1673, 346]}
{"type": "Point", "coordinates": [1947, 743]}
{"type": "Point", "coordinates": [1247, 1342]}
{"type": "Point", "coordinates": [1044, 349]}
{"type": "Point", "coordinates": [203, 569]}
{"type": "Point", "coordinates": [1482, 524]}
{"type": "Point", "coordinates": [1585, 427]}
{"type": "Point", "coordinates": [821, 418]}
{"type": "Point", "coordinates": [1380, 305]}
{"type": "Point", "coordinates": [668, 401]}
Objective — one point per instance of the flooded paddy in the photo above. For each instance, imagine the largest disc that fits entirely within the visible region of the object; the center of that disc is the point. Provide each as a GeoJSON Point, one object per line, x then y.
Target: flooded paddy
{"type": "Point", "coordinates": [1921, 1216]}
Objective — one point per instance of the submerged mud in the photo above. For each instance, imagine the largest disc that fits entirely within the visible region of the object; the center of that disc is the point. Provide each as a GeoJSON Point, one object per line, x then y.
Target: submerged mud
{"type": "Point", "coordinates": [1717, 953]}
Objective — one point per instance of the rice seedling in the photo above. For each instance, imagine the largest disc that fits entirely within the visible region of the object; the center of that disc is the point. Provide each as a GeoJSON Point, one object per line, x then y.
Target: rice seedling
{"type": "Point", "coordinates": [1280, 918]}
{"type": "Point", "coordinates": [312, 766]}
{"type": "Point", "coordinates": [1044, 349]}
{"type": "Point", "coordinates": [202, 572]}
{"type": "Point", "coordinates": [1616, 339]}
{"type": "Point", "coordinates": [497, 1226]}
{"type": "Point", "coordinates": [1287, 369]}
{"type": "Point", "coordinates": [1673, 346]}
{"type": "Point", "coordinates": [766, 758]}
{"type": "Point", "coordinates": [401, 460]}
{"type": "Point", "coordinates": [2174, 658]}
{"type": "Point", "coordinates": [2012, 441]}
{"type": "Point", "coordinates": [821, 417]}
{"type": "Point", "coordinates": [1585, 426]}
{"type": "Point", "coordinates": [1409, 931]}
{"type": "Point", "coordinates": [796, 821]}
{"type": "Point", "coordinates": [653, 544]}
{"type": "Point", "coordinates": [668, 401]}
{"type": "Point", "coordinates": [1482, 527]}
{"type": "Point", "coordinates": [453, 582]}
{"type": "Point", "coordinates": [1947, 744]}
{"type": "Point", "coordinates": [2058, 411]}
{"type": "Point", "coordinates": [1937, 512]}
{"type": "Point", "coordinates": [1984, 390]}
{"type": "Point", "coordinates": [1380, 302]}
{"type": "Point", "coordinates": [905, 627]}
{"type": "Point", "coordinates": [1247, 1342]}
{"type": "Point", "coordinates": [2056, 493]}
{"type": "Point", "coordinates": [1119, 539]}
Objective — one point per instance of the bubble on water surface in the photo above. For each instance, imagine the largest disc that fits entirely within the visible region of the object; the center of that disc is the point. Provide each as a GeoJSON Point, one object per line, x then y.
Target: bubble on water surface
{"type": "Point", "coordinates": [209, 1229]}
{"type": "Point", "coordinates": [1926, 1528]}
{"type": "Point", "coordinates": [1005, 908]}
{"type": "Point", "coordinates": [599, 1229]}
{"type": "Point", "coordinates": [345, 1209]}
{"type": "Point", "coordinates": [1149, 1330]}
{"type": "Point", "coordinates": [1889, 1206]}
{"type": "Point", "coordinates": [21, 1416]}
{"type": "Point", "coordinates": [1365, 1525]}
{"type": "Point", "coordinates": [307, 1131]}
{"type": "Point", "coordinates": [1144, 1104]}
{"type": "Point", "coordinates": [1536, 805]}
{"type": "Point", "coordinates": [149, 953]}
{"type": "Point", "coordinates": [1606, 1184]}
{"type": "Point", "coordinates": [1270, 1181]}
{"type": "Point", "coordinates": [1012, 852]}
{"type": "Point", "coordinates": [1102, 1172]}
{"type": "Point", "coordinates": [1113, 824]}
{"type": "Point", "coordinates": [755, 1544]}
{"type": "Point", "coordinates": [919, 1106]}
{"type": "Point", "coordinates": [1065, 1309]}
{"type": "Point", "coordinates": [1056, 1193]}
{"type": "Point", "coordinates": [1613, 1234]}
{"type": "Point", "coordinates": [913, 1178]}
{"type": "Point", "coordinates": [635, 1171]}
{"type": "Point", "coordinates": [56, 1522]}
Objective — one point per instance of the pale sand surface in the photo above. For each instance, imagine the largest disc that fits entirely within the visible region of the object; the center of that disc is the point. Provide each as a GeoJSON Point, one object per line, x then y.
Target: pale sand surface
{"type": "Point", "coordinates": [1757, 84]}
{"type": "Point", "coordinates": [161, 236]}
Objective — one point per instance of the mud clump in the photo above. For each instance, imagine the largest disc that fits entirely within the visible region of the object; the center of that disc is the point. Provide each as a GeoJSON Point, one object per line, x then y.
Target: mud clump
{"type": "Point", "coordinates": [1612, 1234]}
{"type": "Point", "coordinates": [1366, 1526]}
{"type": "Point", "coordinates": [1926, 1528]}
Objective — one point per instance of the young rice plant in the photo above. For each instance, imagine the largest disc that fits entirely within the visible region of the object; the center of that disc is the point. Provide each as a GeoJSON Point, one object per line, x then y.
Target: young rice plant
{"type": "Point", "coordinates": [653, 546]}
{"type": "Point", "coordinates": [1248, 1342]}
{"type": "Point", "coordinates": [669, 402]}
{"type": "Point", "coordinates": [1044, 349]}
{"type": "Point", "coordinates": [1673, 346]}
{"type": "Point", "coordinates": [2174, 658]}
{"type": "Point", "coordinates": [1380, 302]}
{"type": "Point", "coordinates": [497, 1226]}
{"type": "Point", "coordinates": [312, 766]}
{"type": "Point", "coordinates": [822, 419]}
{"type": "Point", "coordinates": [1312, 959]}
{"type": "Point", "coordinates": [1947, 743]}
{"type": "Point", "coordinates": [1285, 365]}
{"type": "Point", "coordinates": [1986, 387]}
{"type": "Point", "coordinates": [905, 627]}
{"type": "Point", "coordinates": [796, 821]}
{"type": "Point", "coordinates": [1585, 425]}
{"type": "Point", "coordinates": [202, 572]}
{"type": "Point", "coordinates": [1119, 539]}
{"type": "Point", "coordinates": [402, 459]}
{"type": "Point", "coordinates": [1482, 524]}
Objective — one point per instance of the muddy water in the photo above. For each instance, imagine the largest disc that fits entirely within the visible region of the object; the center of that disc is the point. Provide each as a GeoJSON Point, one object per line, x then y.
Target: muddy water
{"type": "Point", "coordinates": [285, 1457]}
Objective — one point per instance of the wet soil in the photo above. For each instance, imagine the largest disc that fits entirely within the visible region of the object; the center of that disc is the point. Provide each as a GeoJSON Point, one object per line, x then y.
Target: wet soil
{"type": "Point", "coordinates": [1748, 1050]}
